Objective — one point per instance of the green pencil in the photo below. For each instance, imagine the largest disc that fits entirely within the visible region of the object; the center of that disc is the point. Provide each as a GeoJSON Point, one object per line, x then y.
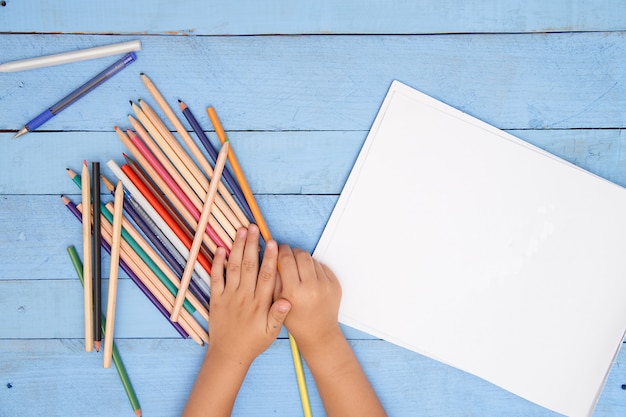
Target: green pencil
{"type": "Point", "coordinates": [135, 246]}
{"type": "Point", "coordinates": [117, 359]}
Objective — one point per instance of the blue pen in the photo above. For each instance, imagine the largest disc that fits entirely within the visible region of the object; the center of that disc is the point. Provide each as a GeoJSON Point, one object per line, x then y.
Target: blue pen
{"type": "Point", "coordinates": [78, 93]}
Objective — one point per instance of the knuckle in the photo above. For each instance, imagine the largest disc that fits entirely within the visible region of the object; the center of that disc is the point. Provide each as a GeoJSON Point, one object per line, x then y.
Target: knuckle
{"type": "Point", "coordinates": [247, 265]}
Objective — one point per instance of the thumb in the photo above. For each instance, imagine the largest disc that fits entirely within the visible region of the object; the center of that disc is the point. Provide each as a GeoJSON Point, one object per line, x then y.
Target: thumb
{"type": "Point", "coordinates": [277, 314]}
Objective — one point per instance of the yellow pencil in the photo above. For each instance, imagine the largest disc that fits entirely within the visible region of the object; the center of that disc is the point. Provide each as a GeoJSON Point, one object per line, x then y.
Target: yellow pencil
{"type": "Point", "coordinates": [265, 232]}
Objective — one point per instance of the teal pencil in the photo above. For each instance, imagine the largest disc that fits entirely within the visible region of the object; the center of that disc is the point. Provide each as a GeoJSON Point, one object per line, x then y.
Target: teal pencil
{"type": "Point", "coordinates": [117, 359]}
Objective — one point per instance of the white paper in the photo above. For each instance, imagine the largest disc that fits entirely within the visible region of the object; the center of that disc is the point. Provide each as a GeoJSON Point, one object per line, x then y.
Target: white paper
{"type": "Point", "coordinates": [463, 243]}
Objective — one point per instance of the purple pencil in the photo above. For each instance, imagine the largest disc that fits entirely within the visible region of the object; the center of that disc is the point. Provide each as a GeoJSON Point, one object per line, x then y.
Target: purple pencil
{"type": "Point", "coordinates": [74, 210]}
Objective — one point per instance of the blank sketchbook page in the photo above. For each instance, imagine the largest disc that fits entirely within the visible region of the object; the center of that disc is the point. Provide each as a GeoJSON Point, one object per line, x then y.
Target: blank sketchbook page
{"type": "Point", "coordinates": [461, 242]}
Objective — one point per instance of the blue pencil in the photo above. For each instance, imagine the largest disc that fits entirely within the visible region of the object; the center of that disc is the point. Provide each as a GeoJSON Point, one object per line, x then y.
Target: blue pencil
{"type": "Point", "coordinates": [227, 176]}
{"type": "Point", "coordinates": [78, 93]}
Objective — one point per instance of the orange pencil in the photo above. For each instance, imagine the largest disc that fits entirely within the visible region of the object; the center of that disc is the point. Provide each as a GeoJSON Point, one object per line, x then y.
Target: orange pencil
{"type": "Point", "coordinates": [265, 232]}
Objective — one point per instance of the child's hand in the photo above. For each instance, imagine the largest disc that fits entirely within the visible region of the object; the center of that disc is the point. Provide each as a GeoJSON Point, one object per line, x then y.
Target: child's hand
{"type": "Point", "coordinates": [314, 293]}
{"type": "Point", "coordinates": [243, 320]}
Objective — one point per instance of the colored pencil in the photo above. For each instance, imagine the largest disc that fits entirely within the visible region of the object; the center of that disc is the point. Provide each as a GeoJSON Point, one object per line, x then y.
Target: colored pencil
{"type": "Point", "coordinates": [179, 228]}
{"type": "Point", "coordinates": [189, 169]}
{"type": "Point", "coordinates": [227, 175]}
{"type": "Point", "coordinates": [113, 274]}
{"type": "Point", "coordinates": [295, 351]}
{"type": "Point", "coordinates": [243, 183]}
{"type": "Point", "coordinates": [117, 359]}
{"type": "Point", "coordinates": [193, 182]}
{"type": "Point", "coordinates": [77, 213]}
{"type": "Point", "coordinates": [140, 246]}
{"type": "Point", "coordinates": [87, 288]}
{"type": "Point", "coordinates": [77, 94]}
{"type": "Point", "coordinates": [140, 266]}
{"type": "Point", "coordinates": [197, 240]}
{"type": "Point", "coordinates": [161, 243]}
{"type": "Point", "coordinates": [154, 190]}
{"type": "Point", "coordinates": [162, 185]}
{"type": "Point", "coordinates": [193, 148]}
{"type": "Point", "coordinates": [157, 152]}
{"type": "Point", "coordinates": [174, 234]}
{"type": "Point", "coordinates": [139, 250]}
{"type": "Point", "coordinates": [97, 255]}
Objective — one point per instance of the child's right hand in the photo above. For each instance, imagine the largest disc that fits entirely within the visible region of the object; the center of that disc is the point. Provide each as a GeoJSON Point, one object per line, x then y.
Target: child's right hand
{"type": "Point", "coordinates": [314, 293]}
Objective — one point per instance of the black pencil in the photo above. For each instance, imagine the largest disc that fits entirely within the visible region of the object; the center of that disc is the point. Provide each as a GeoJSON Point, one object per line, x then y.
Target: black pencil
{"type": "Point", "coordinates": [97, 267]}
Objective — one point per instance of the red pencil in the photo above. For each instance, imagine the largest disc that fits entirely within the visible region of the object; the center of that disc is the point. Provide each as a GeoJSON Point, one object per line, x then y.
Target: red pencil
{"type": "Point", "coordinates": [164, 214]}
{"type": "Point", "coordinates": [174, 187]}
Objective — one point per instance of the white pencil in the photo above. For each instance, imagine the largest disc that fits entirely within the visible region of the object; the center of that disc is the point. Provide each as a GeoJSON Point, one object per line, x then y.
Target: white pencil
{"type": "Point", "coordinates": [72, 56]}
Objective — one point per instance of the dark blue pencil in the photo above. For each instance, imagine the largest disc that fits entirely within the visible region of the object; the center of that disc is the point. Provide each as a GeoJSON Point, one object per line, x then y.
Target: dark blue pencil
{"type": "Point", "coordinates": [228, 177]}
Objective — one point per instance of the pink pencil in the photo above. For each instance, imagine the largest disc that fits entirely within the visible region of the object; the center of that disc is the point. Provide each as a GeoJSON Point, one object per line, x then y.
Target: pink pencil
{"type": "Point", "coordinates": [165, 176]}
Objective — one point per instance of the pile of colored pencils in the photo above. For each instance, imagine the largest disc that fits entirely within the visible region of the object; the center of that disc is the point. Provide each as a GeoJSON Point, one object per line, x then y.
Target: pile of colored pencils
{"type": "Point", "coordinates": [180, 205]}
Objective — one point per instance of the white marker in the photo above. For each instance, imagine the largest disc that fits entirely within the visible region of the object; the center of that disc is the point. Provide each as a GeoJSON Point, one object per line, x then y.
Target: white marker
{"type": "Point", "coordinates": [73, 56]}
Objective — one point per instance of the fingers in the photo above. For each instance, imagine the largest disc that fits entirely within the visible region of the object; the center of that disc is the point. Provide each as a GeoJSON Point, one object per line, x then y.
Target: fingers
{"type": "Point", "coordinates": [306, 266]}
{"type": "Point", "coordinates": [250, 260]}
{"type": "Point", "coordinates": [276, 316]}
{"type": "Point", "coordinates": [217, 272]}
{"type": "Point", "coordinates": [233, 269]}
{"type": "Point", "coordinates": [287, 265]}
{"type": "Point", "coordinates": [266, 282]}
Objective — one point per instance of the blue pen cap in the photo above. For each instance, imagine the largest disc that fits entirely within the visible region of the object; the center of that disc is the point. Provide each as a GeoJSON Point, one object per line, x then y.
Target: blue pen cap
{"type": "Point", "coordinates": [130, 57]}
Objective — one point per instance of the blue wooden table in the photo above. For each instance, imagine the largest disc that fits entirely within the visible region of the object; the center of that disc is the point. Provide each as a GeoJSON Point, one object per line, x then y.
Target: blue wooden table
{"type": "Point", "coordinates": [297, 85]}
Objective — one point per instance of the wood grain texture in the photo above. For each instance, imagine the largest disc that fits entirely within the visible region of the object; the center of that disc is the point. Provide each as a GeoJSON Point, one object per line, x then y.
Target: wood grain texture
{"type": "Point", "coordinates": [297, 110]}
{"type": "Point", "coordinates": [57, 372]}
{"type": "Point", "coordinates": [313, 83]}
{"type": "Point", "coordinates": [250, 17]}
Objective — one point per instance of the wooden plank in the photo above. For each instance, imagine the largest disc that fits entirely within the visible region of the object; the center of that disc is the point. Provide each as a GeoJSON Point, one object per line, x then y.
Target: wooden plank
{"type": "Point", "coordinates": [315, 162]}
{"type": "Point", "coordinates": [51, 309]}
{"type": "Point", "coordinates": [40, 252]}
{"type": "Point", "coordinates": [299, 17]}
{"type": "Point", "coordinates": [336, 83]}
{"type": "Point", "coordinates": [56, 377]}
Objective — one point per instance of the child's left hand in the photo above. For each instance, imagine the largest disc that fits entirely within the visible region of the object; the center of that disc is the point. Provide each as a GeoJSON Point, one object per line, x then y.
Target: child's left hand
{"type": "Point", "coordinates": [243, 319]}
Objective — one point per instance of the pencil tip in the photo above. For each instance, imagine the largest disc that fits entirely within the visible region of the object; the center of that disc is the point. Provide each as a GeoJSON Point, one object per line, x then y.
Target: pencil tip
{"type": "Point", "coordinates": [21, 132]}
{"type": "Point", "coordinates": [97, 343]}
{"type": "Point", "coordinates": [138, 412]}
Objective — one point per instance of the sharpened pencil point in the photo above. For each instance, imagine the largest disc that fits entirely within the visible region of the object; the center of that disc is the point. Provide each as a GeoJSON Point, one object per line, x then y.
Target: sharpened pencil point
{"type": "Point", "coordinates": [97, 344]}
{"type": "Point", "coordinates": [138, 412]}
